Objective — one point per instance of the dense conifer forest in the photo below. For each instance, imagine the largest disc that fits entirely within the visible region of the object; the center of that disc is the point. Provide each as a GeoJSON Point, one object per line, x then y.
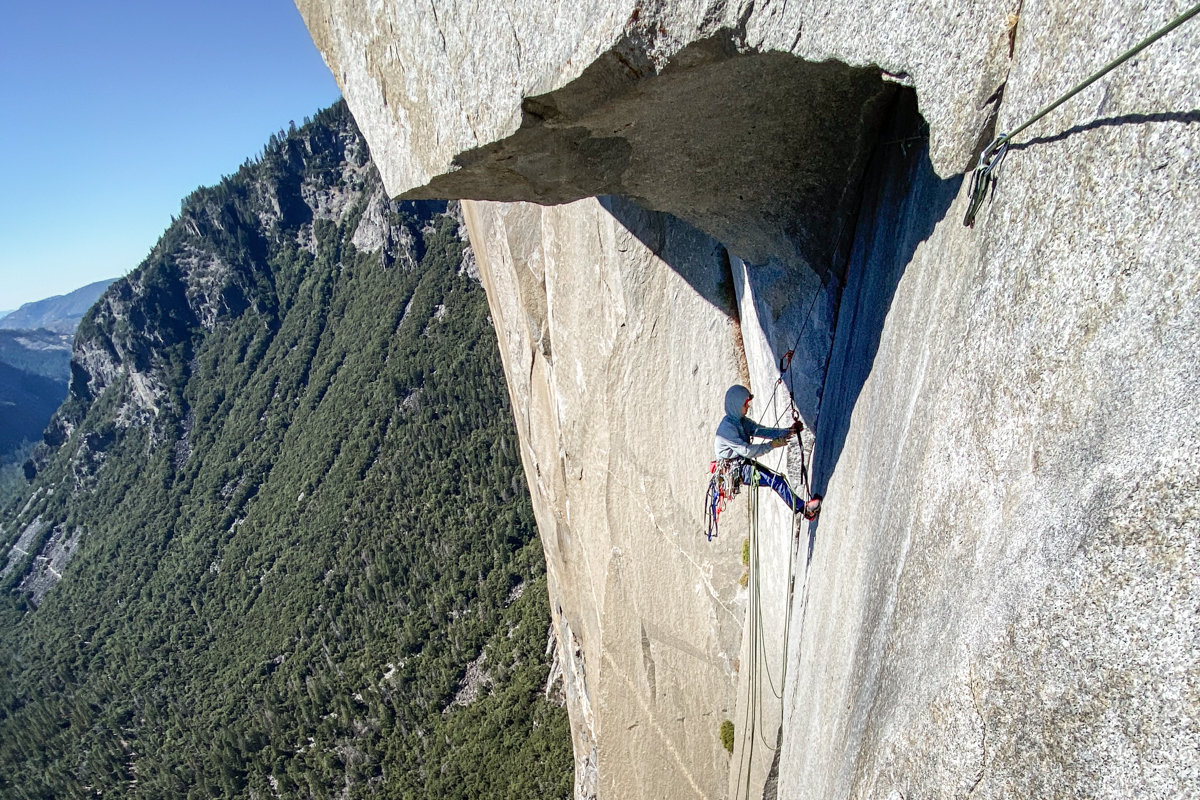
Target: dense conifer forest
{"type": "Point", "coordinates": [280, 514]}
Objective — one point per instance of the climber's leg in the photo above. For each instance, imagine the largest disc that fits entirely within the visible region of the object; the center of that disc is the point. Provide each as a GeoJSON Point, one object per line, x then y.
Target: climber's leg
{"type": "Point", "coordinates": [775, 481]}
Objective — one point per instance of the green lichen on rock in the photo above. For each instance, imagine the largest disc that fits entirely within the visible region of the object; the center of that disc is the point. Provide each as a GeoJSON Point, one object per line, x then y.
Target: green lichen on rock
{"type": "Point", "coordinates": [727, 735]}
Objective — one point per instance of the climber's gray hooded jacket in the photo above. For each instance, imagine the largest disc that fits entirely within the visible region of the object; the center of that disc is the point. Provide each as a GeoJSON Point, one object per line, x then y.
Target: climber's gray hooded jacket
{"type": "Point", "coordinates": [734, 432]}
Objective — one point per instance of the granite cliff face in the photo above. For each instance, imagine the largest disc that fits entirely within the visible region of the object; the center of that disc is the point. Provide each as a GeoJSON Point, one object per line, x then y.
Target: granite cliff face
{"type": "Point", "coordinates": [647, 615]}
{"type": "Point", "coordinates": [999, 596]}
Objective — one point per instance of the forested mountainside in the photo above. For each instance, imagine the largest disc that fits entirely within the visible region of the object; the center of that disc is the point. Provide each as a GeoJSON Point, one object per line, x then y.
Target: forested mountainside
{"type": "Point", "coordinates": [38, 352]}
{"type": "Point", "coordinates": [278, 542]}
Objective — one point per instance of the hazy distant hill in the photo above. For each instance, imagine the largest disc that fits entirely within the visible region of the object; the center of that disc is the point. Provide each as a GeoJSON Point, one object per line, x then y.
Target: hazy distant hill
{"type": "Point", "coordinates": [35, 365]}
{"type": "Point", "coordinates": [60, 313]}
{"type": "Point", "coordinates": [41, 355]}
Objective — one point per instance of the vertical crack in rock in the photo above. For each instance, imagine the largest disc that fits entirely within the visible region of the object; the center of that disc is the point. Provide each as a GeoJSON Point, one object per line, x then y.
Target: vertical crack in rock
{"type": "Point", "coordinates": [648, 663]}
{"type": "Point", "coordinates": [568, 666]}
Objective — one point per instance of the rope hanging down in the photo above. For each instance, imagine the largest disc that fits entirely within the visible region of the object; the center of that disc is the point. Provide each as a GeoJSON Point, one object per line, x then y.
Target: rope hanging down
{"type": "Point", "coordinates": [715, 502]}
{"type": "Point", "coordinates": [987, 171]}
{"type": "Point", "coordinates": [755, 698]}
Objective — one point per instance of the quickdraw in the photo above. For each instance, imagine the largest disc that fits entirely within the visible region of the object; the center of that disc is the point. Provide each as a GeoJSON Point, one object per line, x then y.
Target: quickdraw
{"type": "Point", "coordinates": [723, 486]}
{"type": "Point", "coordinates": [987, 171]}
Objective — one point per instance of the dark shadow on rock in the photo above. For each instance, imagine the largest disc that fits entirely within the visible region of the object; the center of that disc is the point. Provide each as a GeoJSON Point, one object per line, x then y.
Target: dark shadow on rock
{"type": "Point", "coordinates": [721, 151]}
{"type": "Point", "coordinates": [811, 168]}
{"type": "Point", "coordinates": [771, 787]}
{"type": "Point", "coordinates": [902, 200]}
{"type": "Point", "coordinates": [694, 255]}
{"type": "Point", "coordinates": [1185, 117]}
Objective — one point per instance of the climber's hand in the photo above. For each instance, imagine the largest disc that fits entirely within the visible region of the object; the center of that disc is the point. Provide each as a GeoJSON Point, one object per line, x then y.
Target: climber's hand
{"type": "Point", "coordinates": [780, 441]}
{"type": "Point", "coordinates": [797, 426]}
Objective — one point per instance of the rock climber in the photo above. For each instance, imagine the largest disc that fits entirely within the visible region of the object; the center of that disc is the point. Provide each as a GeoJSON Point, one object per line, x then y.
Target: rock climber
{"type": "Point", "coordinates": [736, 451]}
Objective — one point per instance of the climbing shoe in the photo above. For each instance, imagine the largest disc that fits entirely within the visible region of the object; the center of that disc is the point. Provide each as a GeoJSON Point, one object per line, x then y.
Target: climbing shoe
{"type": "Point", "coordinates": [812, 508]}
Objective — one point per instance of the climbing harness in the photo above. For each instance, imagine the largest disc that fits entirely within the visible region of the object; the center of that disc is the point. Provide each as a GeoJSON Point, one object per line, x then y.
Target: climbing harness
{"type": "Point", "coordinates": [987, 171]}
{"type": "Point", "coordinates": [725, 480]}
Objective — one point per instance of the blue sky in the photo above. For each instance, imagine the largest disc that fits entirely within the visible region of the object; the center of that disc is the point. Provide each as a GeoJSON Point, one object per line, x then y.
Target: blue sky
{"type": "Point", "coordinates": [112, 112]}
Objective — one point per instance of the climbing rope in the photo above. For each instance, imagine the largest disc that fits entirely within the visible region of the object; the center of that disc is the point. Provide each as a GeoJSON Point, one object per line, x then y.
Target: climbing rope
{"type": "Point", "coordinates": [754, 709]}
{"type": "Point", "coordinates": [987, 171]}
{"type": "Point", "coordinates": [785, 366]}
{"type": "Point", "coordinates": [748, 717]}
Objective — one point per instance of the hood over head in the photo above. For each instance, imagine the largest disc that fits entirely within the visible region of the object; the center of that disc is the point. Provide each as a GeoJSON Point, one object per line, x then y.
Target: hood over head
{"type": "Point", "coordinates": [735, 398]}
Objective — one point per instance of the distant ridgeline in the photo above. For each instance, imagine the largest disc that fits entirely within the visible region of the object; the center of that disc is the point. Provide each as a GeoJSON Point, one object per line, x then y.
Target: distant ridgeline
{"type": "Point", "coordinates": [60, 314]}
{"type": "Point", "coordinates": [280, 514]}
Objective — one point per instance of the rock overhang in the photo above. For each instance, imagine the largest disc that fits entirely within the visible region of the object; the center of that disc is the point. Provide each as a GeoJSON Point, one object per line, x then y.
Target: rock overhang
{"type": "Point", "coordinates": [428, 82]}
{"type": "Point", "coordinates": [761, 151]}
{"type": "Point", "coordinates": [745, 121]}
